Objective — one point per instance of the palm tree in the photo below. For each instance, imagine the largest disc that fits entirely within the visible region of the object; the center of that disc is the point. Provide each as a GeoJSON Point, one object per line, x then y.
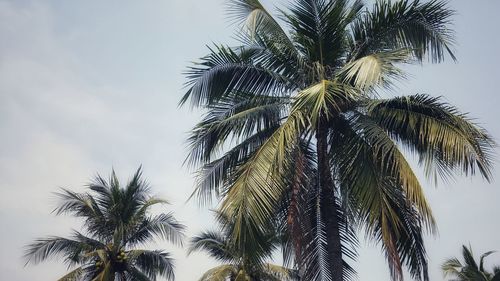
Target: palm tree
{"type": "Point", "coordinates": [470, 270]}
{"type": "Point", "coordinates": [246, 262]}
{"type": "Point", "coordinates": [116, 220]}
{"type": "Point", "coordinates": [296, 130]}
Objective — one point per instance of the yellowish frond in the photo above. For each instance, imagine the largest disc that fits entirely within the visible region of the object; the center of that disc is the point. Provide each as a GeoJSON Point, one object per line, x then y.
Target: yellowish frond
{"type": "Point", "coordinates": [372, 70]}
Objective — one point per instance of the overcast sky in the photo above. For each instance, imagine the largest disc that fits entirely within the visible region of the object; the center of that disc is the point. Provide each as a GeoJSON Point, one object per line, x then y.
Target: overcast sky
{"type": "Point", "coordinates": [87, 86]}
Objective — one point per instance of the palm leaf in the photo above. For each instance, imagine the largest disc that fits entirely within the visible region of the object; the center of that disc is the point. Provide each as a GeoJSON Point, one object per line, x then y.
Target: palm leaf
{"type": "Point", "coordinates": [212, 178]}
{"type": "Point", "coordinates": [153, 263]}
{"type": "Point", "coordinates": [421, 27]}
{"type": "Point", "coordinates": [375, 69]}
{"type": "Point", "coordinates": [254, 193]}
{"type": "Point", "coordinates": [164, 226]}
{"type": "Point", "coordinates": [382, 194]}
{"type": "Point", "coordinates": [237, 117]}
{"type": "Point", "coordinates": [215, 244]}
{"type": "Point", "coordinates": [445, 139]}
{"type": "Point", "coordinates": [73, 275]}
{"type": "Point", "coordinates": [219, 273]}
{"type": "Point", "coordinates": [224, 71]}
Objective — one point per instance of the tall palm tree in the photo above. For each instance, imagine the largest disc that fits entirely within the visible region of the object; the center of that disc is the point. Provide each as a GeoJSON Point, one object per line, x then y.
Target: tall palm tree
{"type": "Point", "coordinates": [116, 221]}
{"type": "Point", "coordinates": [470, 270]}
{"type": "Point", "coordinates": [296, 130]}
{"type": "Point", "coordinates": [246, 262]}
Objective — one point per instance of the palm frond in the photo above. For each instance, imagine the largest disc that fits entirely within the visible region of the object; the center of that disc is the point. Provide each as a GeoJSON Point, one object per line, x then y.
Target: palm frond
{"type": "Point", "coordinates": [451, 267]}
{"type": "Point", "coordinates": [73, 275]}
{"type": "Point", "coordinates": [254, 193]}
{"type": "Point", "coordinates": [141, 212]}
{"type": "Point", "coordinates": [219, 273]}
{"type": "Point", "coordinates": [469, 257]}
{"type": "Point", "coordinates": [326, 98]}
{"type": "Point", "coordinates": [422, 27]}
{"type": "Point", "coordinates": [215, 244]}
{"type": "Point", "coordinates": [280, 273]}
{"type": "Point", "coordinates": [257, 20]}
{"type": "Point", "coordinates": [71, 250]}
{"type": "Point", "coordinates": [83, 205]}
{"type": "Point", "coordinates": [212, 178]}
{"type": "Point", "coordinates": [382, 193]}
{"type": "Point", "coordinates": [164, 226]}
{"type": "Point", "coordinates": [469, 270]}
{"type": "Point", "coordinates": [224, 71]}
{"type": "Point", "coordinates": [235, 117]}
{"type": "Point", "coordinates": [316, 255]}
{"type": "Point", "coordinates": [135, 274]}
{"type": "Point", "coordinates": [390, 162]}
{"type": "Point", "coordinates": [153, 263]}
{"type": "Point", "coordinates": [481, 259]}
{"type": "Point", "coordinates": [375, 69]}
{"type": "Point", "coordinates": [446, 140]}
{"type": "Point", "coordinates": [318, 29]}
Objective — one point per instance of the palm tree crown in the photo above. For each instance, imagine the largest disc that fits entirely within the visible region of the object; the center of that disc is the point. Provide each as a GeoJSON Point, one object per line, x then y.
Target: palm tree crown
{"type": "Point", "coordinates": [296, 131]}
{"type": "Point", "coordinates": [470, 270]}
{"type": "Point", "coordinates": [243, 262]}
{"type": "Point", "coordinates": [116, 220]}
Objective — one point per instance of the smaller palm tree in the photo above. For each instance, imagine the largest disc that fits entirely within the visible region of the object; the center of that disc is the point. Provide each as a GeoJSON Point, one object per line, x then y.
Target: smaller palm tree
{"type": "Point", "coordinates": [470, 270]}
{"type": "Point", "coordinates": [116, 220]}
{"type": "Point", "coordinates": [241, 262]}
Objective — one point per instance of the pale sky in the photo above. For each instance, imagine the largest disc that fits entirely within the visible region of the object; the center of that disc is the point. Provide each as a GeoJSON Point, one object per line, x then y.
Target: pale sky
{"type": "Point", "coordinates": [87, 86]}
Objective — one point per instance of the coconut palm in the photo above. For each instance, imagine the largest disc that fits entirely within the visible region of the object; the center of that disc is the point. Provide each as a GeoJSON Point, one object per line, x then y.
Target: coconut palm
{"type": "Point", "coordinates": [116, 222]}
{"type": "Point", "coordinates": [296, 130]}
{"type": "Point", "coordinates": [245, 262]}
{"type": "Point", "coordinates": [470, 270]}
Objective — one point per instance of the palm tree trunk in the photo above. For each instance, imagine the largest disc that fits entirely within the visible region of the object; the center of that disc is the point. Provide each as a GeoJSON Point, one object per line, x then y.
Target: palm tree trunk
{"type": "Point", "coordinates": [329, 207]}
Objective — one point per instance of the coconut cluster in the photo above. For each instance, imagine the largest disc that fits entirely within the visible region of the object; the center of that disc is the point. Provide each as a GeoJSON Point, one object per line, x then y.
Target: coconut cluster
{"type": "Point", "coordinates": [121, 257]}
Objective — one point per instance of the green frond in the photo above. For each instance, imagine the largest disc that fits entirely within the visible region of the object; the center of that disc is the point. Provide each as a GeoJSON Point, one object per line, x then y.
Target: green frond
{"type": "Point", "coordinates": [135, 274]}
{"type": "Point", "coordinates": [164, 226]}
{"type": "Point", "coordinates": [153, 263]}
{"type": "Point", "coordinates": [219, 273]}
{"type": "Point", "coordinates": [69, 249]}
{"type": "Point", "coordinates": [255, 192]}
{"type": "Point", "coordinates": [146, 206]}
{"type": "Point", "coordinates": [224, 72]}
{"type": "Point", "coordinates": [445, 139]}
{"type": "Point", "coordinates": [382, 193]}
{"type": "Point", "coordinates": [212, 178]}
{"type": "Point", "coordinates": [215, 244]}
{"type": "Point", "coordinates": [481, 259]}
{"type": "Point", "coordinates": [389, 162]}
{"type": "Point", "coordinates": [422, 27]}
{"type": "Point", "coordinates": [244, 259]}
{"type": "Point", "coordinates": [73, 275]}
{"type": "Point", "coordinates": [469, 270]}
{"type": "Point", "coordinates": [233, 118]}
{"type": "Point", "coordinates": [469, 257]}
{"type": "Point", "coordinates": [319, 28]}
